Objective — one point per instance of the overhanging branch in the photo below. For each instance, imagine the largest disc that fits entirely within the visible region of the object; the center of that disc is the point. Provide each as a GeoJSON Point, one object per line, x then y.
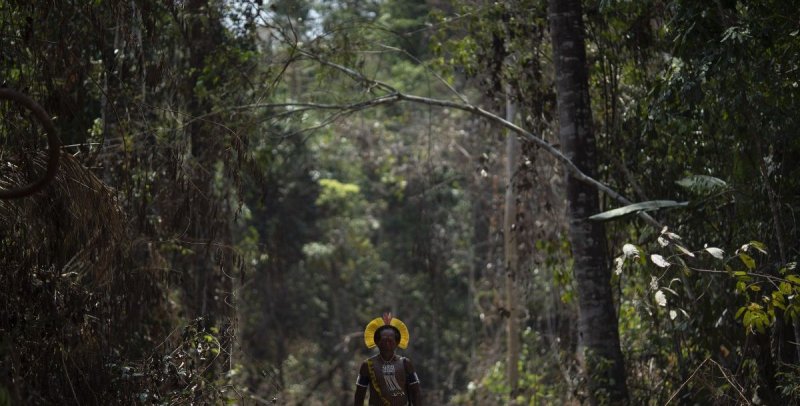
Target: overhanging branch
{"type": "Point", "coordinates": [396, 95]}
{"type": "Point", "coordinates": [392, 95]}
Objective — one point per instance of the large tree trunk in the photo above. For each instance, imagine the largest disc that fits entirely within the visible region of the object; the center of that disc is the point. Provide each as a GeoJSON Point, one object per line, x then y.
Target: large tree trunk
{"type": "Point", "coordinates": [597, 321]}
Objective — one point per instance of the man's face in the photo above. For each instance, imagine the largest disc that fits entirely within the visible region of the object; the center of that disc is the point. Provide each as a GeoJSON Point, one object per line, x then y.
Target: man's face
{"type": "Point", "coordinates": [387, 342]}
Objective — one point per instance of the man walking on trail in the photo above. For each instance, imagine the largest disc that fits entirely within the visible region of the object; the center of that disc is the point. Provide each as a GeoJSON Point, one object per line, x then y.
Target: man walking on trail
{"type": "Point", "coordinates": [390, 378]}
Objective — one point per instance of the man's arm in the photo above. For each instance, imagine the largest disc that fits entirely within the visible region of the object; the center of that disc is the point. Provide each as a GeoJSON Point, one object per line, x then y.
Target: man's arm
{"type": "Point", "coordinates": [412, 380]}
{"type": "Point", "coordinates": [361, 385]}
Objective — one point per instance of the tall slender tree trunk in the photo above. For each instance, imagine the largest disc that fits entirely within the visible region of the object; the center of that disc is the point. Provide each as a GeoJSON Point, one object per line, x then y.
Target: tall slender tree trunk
{"type": "Point", "coordinates": [210, 288]}
{"type": "Point", "coordinates": [511, 258]}
{"type": "Point", "coordinates": [597, 320]}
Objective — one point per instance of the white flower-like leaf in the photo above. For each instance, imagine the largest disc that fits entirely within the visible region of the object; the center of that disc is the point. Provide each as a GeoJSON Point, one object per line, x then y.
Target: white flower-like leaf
{"type": "Point", "coordinates": [653, 283]}
{"type": "Point", "coordinates": [661, 299]}
{"type": "Point", "coordinates": [662, 241]}
{"type": "Point", "coordinates": [659, 261]}
{"type": "Point", "coordinates": [630, 251]}
{"type": "Point", "coordinates": [618, 262]}
{"type": "Point", "coordinates": [673, 314]}
{"type": "Point", "coordinates": [715, 252]}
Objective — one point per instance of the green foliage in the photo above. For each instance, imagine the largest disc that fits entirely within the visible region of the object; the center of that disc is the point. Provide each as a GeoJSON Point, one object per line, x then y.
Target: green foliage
{"type": "Point", "coordinates": [221, 222]}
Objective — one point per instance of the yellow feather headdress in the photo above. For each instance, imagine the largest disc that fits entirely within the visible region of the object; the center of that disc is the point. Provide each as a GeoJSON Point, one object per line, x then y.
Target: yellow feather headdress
{"type": "Point", "coordinates": [386, 320]}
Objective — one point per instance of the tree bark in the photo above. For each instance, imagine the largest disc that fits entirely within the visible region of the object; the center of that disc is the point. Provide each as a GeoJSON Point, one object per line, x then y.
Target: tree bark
{"type": "Point", "coordinates": [511, 258]}
{"type": "Point", "coordinates": [597, 321]}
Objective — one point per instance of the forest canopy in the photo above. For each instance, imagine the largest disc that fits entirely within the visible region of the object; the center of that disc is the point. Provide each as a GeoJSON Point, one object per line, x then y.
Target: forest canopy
{"type": "Point", "coordinates": [566, 202]}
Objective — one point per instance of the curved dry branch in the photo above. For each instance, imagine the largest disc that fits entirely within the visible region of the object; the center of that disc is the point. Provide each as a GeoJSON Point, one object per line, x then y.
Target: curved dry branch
{"type": "Point", "coordinates": [396, 95]}
{"type": "Point", "coordinates": [54, 146]}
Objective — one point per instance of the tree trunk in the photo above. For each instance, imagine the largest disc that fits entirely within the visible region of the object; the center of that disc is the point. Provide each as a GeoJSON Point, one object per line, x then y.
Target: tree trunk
{"type": "Point", "coordinates": [597, 321]}
{"type": "Point", "coordinates": [511, 258]}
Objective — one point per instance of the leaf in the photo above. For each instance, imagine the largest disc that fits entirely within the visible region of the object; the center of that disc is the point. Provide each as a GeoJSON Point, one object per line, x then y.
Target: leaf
{"type": "Point", "coordinates": [749, 262]}
{"type": "Point", "coordinates": [794, 279]}
{"type": "Point", "coordinates": [760, 324]}
{"type": "Point", "coordinates": [739, 313]}
{"type": "Point", "coordinates": [741, 287]}
{"type": "Point", "coordinates": [759, 246]}
{"type": "Point", "coordinates": [661, 299]}
{"type": "Point", "coordinates": [630, 251]}
{"type": "Point", "coordinates": [659, 261]}
{"type": "Point", "coordinates": [684, 250]}
{"type": "Point", "coordinates": [618, 262]}
{"type": "Point", "coordinates": [778, 300]}
{"type": "Point", "coordinates": [673, 314]}
{"type": "Point", "coordinates": [702, 183]}
{"type": "Point", "coordinates": [635, 208]}
{"type": "Point", "coordinates": [715, 252]}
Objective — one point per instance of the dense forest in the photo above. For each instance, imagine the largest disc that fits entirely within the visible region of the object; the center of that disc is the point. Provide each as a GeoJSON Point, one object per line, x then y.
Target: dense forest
{"type": "Point", "coordinates": [567, 202]}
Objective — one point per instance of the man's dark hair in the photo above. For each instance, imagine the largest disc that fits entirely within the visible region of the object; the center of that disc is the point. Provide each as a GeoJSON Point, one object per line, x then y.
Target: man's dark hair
{"type": "Point", "coordinates": [377, 336]}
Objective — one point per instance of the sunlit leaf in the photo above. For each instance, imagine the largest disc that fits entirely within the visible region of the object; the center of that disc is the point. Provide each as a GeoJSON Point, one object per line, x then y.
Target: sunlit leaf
{"type": "Point", "coordinates": [659, 261]}
{"type": "Point", "coordinates": [715, 252]}
{"type": "Point", "coordinates": [618, 262]}
{"type": "Point", "coordinates": [630, 251]}
{"type": "Point", "coordinates": [684, 250]}
{"type": "Point", "coordinates": [661, 299]}
{"type": "Point", "coordinates": [635, 208]}
{"type": "Point", "coordinates": [702, 183]}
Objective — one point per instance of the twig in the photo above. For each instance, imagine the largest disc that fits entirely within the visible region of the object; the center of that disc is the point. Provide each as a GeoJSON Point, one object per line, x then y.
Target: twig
{"type": "Point", "coordinates": [735, 386]}
{"type": "Point", "coordinates": [687, 381]}
{"type": "Point", "coordinates": [69, 380]}
{"type": "Point", "coordinates": [441, 79]}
